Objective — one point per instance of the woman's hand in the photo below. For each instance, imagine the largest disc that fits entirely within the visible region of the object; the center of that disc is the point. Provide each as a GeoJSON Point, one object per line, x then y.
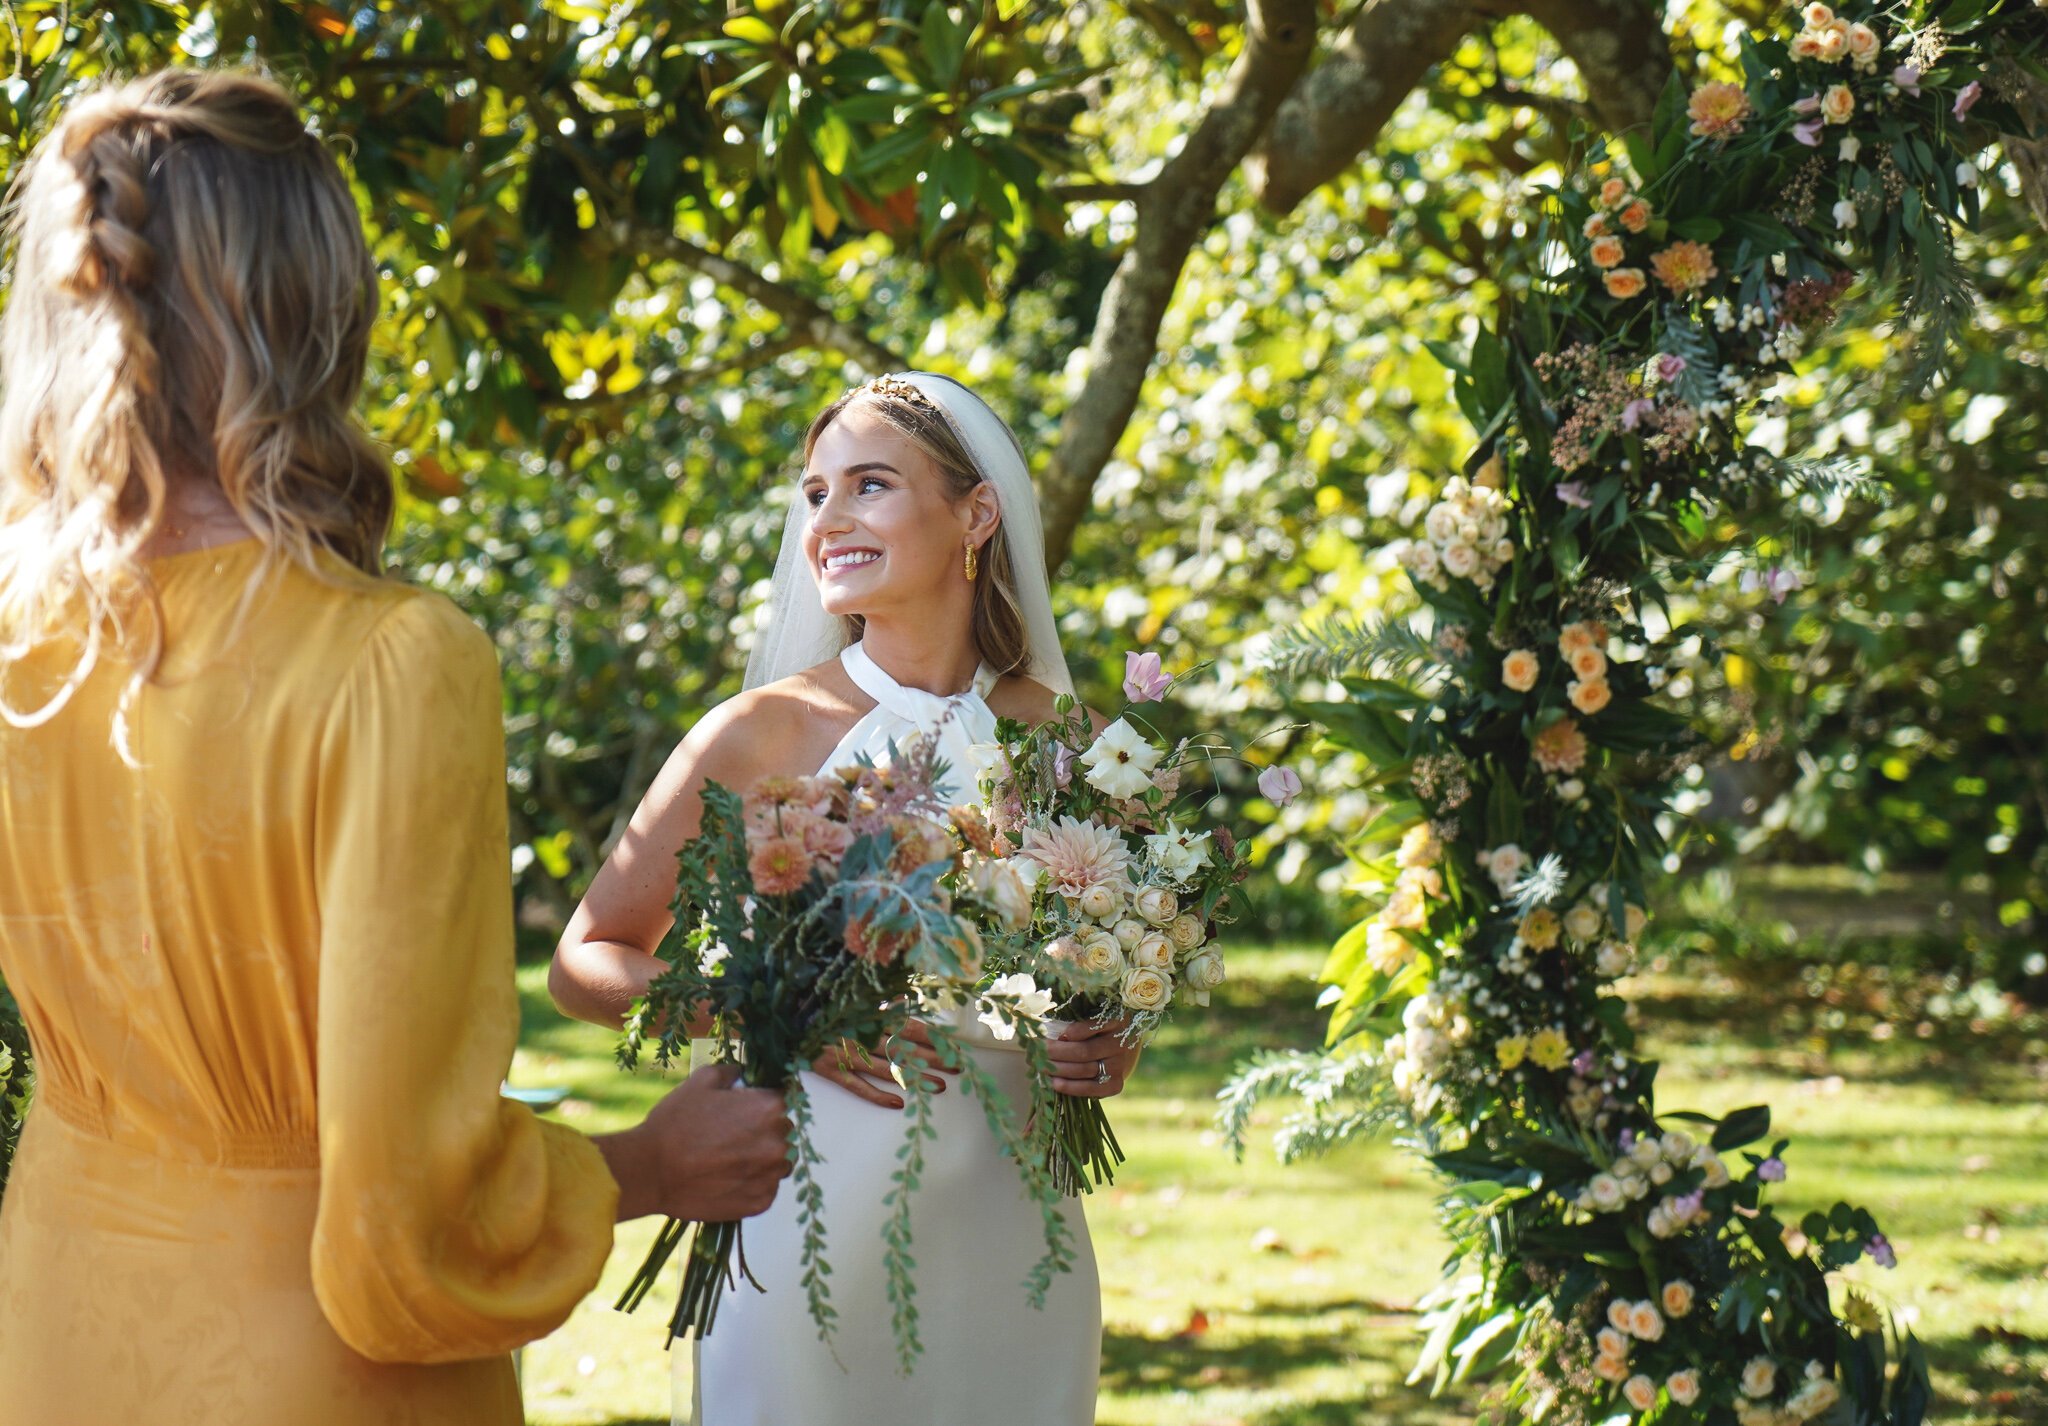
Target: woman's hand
{"type": "Point", "coordinates": [1089, 1061]}
{"type": "Point", "coordinates": [866, 1072]}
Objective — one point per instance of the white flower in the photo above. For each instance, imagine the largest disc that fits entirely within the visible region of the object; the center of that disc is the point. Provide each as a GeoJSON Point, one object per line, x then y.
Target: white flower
{"type": "Point", "coordinates": [1646, 1151]}
{"type": "Point", "coordinates": [1845, 214]}
{"type": "Point", "coordinates": [1570, 790]}
{"type": "Point", "coordinates": [1645, 1321]}
{"type": "Point", "coordinates": [1966, 174]}
{"type": "Point", "coordinates": [1016, 997]}
{"type": "Point", "coordinates": [1460, 559]}
{"type": "Point", "coordinates": [1851, 146]}
{"type": "Point", "coordinates": [1606, 1191]}
{"type": "Point", "coordinates": [1100, 902]}
{"type": "Point", "coordinates": [983, 759]}
{"type": "Point", "coordinates": [1128, 932]}
{"type": "Point", "coordinates": [1582, 922]}
{"type": "Point", "coordinates": [1006, 886]}
{"type": "Point", "coordinates": [1679, 1146]}
{"type": "Point", "coordinates": [1177, 852]}
{"type": "Point", "coordinates": [1186, 931]}
{"type": "Point", "coordinates": [1202, 974]}
{"type": "Point", "coordinates": [1101, 956]}
{"type": "Point", "coordinates": [1613, 959]}
{"type": "Point", "coordinates": [1145, 989]}
{"type": "Point", "coordinates": [1660, 1174]}
{"type": "Point", "coordinates": [1505, 864]}
{"type": "Point", "coordinates": [1120, 762]}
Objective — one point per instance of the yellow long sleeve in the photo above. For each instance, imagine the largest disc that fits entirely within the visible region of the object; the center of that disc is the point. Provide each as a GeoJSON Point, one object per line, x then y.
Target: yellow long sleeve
{"type": "Point", "coordinates": [452, 1224]}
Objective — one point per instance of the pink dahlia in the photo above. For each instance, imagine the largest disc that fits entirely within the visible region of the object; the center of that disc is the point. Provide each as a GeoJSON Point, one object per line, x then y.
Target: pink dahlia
{"type": "Point", "coordinates": [779, 866]}
{"type": "Point", "coordinates": [1076, 855]}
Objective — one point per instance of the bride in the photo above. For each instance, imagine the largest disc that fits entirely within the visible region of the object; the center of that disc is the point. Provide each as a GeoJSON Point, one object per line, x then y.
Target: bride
{"type": "Point", "coordinates": [910, 598]}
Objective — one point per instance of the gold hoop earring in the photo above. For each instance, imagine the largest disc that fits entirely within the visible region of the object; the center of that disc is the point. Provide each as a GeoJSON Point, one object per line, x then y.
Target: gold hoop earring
{"type": "Point", "coordinates": [973, 563]}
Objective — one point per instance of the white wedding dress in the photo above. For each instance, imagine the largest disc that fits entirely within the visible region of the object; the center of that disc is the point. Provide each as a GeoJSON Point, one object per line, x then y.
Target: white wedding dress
{"type": "Point", "coordinates": [990, 1359]}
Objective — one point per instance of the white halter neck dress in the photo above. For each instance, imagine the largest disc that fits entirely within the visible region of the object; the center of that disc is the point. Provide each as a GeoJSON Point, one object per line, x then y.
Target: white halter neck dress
{"type": "Point", "coordinates": [989, 1358]}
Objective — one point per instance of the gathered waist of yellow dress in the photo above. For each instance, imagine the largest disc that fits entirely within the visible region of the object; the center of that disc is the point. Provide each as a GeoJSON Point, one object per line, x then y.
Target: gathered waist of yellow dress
{"type": "Point", "coordinates": [203, 1145]}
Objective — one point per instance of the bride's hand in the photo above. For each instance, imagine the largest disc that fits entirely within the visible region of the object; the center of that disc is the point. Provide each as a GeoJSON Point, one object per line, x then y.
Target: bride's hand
{"type": "Point", "coordinates": [1090, 1061]}
{"type": "Point", "coordinates": [865, 1072]}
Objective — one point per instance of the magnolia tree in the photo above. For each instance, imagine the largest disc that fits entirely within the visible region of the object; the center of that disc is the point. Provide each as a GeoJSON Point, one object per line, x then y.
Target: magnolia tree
{"type": "Point", "coordinates": [1613, 1256]}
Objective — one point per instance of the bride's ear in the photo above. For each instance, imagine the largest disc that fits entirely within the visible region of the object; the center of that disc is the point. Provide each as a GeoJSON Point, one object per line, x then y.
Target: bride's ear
{"type": "Point", "coordinates": [984, 513]}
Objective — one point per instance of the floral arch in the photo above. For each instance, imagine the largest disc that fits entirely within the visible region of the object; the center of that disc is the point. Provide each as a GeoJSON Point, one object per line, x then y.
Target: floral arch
{"type": "Point", "coordinates": [1615, 1261]}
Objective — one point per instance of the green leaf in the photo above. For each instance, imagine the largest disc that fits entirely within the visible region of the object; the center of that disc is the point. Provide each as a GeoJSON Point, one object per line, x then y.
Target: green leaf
{"type": "Point", "coordinates": [1743, 1126]}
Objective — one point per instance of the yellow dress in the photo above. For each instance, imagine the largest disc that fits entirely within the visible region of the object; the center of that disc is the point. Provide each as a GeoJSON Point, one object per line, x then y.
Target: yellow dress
{"type": "Point", "coordinates": [268, 1177]}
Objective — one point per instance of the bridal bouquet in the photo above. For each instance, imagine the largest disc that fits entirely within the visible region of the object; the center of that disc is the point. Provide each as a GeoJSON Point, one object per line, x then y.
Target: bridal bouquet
{"type": "Point", "coordinates": [810, 914]}
{"type": "Point", "coordinates": [1097, 897]}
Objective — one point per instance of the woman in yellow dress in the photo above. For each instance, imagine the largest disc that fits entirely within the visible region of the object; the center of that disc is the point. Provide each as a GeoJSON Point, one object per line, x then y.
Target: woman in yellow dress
{"type": "Point", "coordinates": [254, 889]}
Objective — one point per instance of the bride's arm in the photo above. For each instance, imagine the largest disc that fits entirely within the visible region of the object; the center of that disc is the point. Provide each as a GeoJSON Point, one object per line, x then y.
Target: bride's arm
{"type": "Point", "coordinates": [606, 957]}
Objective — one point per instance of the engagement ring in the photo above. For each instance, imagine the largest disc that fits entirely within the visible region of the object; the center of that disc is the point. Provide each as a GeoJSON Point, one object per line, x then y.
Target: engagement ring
{"type": "Point", "coordinates": [1102, 1071]}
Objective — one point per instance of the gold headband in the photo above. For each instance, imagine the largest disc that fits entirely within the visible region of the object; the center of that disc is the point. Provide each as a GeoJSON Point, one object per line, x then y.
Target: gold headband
{"type": "Point", "coordinates": [897, 387]}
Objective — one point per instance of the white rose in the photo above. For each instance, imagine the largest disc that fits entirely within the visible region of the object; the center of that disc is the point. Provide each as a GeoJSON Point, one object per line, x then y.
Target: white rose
{"type": "Point", "coordinates": [1128, 932]}
{"type": "Point", "coordinates": [1158, 905]}
{"type": "Point", "coordinates": [1440, 523]}
{"type": "Point", "coordinates": [1660, 1174]}
{"type": "Point", "coordinates": [1679, 1146]}
{"type": "Point", "coordinates": [1613, 959]}
{"type": "Point", "coordinates": [1636, 1188]}
{"type": "Point", "coordinates": [1571, 790]}
{"type": "Point", "coordinates": [1007, 893]}
{"type": "Point", "coordinates": [1645, 1321]}
{"type": "Point", "coordinates": [1099, 902]}
{"type": "Point", "coordinates": [1145, 990]}
{"type": "Point", "coordinates": [1186, 931]}
{"type": "Point", "coordinates": [1633, 918]}
{"type": "Point", "coordinates": [1153, 952]}
{"type": "Point", "coordinates": [1606, 1191]}
{"type": "Point", "coordinates": [1424, 561]}
{"type": "Point", "coordinates": [1646, 1151]}
{"type": "Point", "coordinates": [1460, 559]}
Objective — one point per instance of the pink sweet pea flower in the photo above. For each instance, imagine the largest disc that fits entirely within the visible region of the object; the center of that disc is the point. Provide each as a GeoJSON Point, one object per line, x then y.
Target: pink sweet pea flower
{"type": "Point", "coordinates": [1573, 493]}
{"type": "Point", "coordinates": [1633, 414]}
{"type": "Point", "coordinates": [1279, 785]}
{"type": "Point", "coordinates": [1669, 365]}
{"type": "Point", "coordinates": [1907, 77]}
{"type": "Point", "coordinates": [1144, 680]}
{"type": "Point", "coordinates": [1809, 105]}
{"type": "Point", "coordinates": [1967, 98]}
{"type": "Point", "coordinates": [1777, 581]}
{"type": "Point", "coordinates": [1808, 133]}
{"type": "Point", "coordinates": [1880, 1250]}
{"type": "Point", "coordinates": [1063, 764]}
{"type": "Point", "coordinates": [1771, 1170]}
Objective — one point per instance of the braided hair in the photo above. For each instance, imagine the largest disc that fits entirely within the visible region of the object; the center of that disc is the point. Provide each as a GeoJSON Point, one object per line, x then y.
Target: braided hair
{"type": "Point", "coordinates": [192, 301]}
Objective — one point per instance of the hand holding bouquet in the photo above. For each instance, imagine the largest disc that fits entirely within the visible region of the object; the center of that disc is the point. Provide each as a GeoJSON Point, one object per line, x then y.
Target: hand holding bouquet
{"type": "Point", "coordinates": [811, 912]}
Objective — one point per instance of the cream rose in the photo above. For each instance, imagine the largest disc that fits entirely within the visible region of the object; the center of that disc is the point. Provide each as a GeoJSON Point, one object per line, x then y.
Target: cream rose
{"type": "Point", "coordinates": [1203, 972]}
{"type": "Point", "coordinates": [1618, 1314]}
{"type": "Point", "coordinates": [1589, 663]}
{"type": "Point", "coordinates": [1099, 902]}
{"type": "Point", "coordinates": [1145, 989]}
{"type": "Point", "coordinates": [1838, 104]}
{"type": "Point", "coordinates": [1610, 1368]}
{"type": "Point", "coordinates": [1460, 559]}
{"type": "Point", "coordinates": [1128, 932]}
{"type": "Point", "coordinates": [1153, 952]}
{"type": "Point", "coordinates": [1607, 1194]}
{"type": "Point", "coordinates": [1863, 45]}
{"type": "Point", "coordinates": [1678, 1295]}
{"type": "Point", "coordinates": [1633, 919]}
{"type": "Point", "coordinates": [1684, 1386]}
{"type": "Point", "coordinates": [1834, 41]}
{"type": "Point", "coordinates": [1582, 922]}
{"type": "Point", "coordinates": [1519, 670]}
{"type": "Point", "coordinates": [1185, 931]}
{"type": "Point", "coordinates": [1101, 956]}
{"type": "Point", "coordinates": [1759, 1378]}
{"type": "Point", "coordinates": [1158, 905]}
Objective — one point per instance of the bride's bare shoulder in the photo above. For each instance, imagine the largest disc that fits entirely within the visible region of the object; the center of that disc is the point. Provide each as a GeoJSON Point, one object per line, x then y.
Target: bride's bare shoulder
{"type": "Point", "coordinates": [790, 724]}
{"type": "Point", "coordinates": [1026, 700]}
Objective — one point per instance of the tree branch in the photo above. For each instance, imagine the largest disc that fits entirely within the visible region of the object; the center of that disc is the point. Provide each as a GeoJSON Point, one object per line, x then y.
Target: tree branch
{"type": "Point", "coordinates": [809, 322]}
{"type": "Point", "coordinates": [1338, 111]}
{"type": "Point", "coordinates": [1174, 210]}
{"type": "Point", "coordinates": [676, 379]}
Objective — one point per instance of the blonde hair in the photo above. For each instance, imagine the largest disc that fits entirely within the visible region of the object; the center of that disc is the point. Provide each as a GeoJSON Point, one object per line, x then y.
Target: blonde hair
{"type": "Point", "coordinates": [192, 299]}
{"type": "Point", "coordinates": [997, 619]}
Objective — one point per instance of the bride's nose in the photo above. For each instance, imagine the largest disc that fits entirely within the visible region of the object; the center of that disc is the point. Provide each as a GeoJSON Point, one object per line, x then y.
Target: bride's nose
{"type": "Point", "coordinates": [829, 516]}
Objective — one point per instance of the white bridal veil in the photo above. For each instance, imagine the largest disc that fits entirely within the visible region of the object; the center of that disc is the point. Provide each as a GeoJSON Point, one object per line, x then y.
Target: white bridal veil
{"type": "Point", "coordinates": [798, 633]}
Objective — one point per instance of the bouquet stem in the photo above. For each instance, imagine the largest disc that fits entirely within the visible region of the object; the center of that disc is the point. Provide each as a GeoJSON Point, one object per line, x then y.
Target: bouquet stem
{"type": "Point", "coordinates": [708, 1270]}
{"type": "Point", "coordinates": [1084, 1152]}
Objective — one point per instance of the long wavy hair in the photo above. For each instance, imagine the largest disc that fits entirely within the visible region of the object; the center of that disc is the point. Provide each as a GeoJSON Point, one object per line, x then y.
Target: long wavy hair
{"type": "Point", "coordinates": [191, 301]}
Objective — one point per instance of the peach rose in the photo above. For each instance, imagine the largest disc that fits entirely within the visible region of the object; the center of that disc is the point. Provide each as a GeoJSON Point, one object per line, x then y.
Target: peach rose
{"type": "Point", "coordinates": [1596, 226]}
{"type": "Point", "coordinates": [1587, 634]}
{"type": "Point", "coordinates": [1611, 1343]}
{"type": "Point", "coordinates": [1834, 41]}
{"type": "Point", "coordinates": [1613, 193]}
{"type": "Point", "coordinates": [1806, 46]}
{"type": "Point", "coordinates": [1610, 1369]}
{"type": "Point", "coordinates": [1636, 216]}
{"type": "Point", "coordinates": [1678, 1294]}
{"type": "Point", "coordinates": [1818, 17]}
{"type": "Point", "coordinates": [1646, 1322]}
{"type": "Point", "coordinates": [1684, 1386]}
{"type": "Point", "coordinates": [1640, 1391]}
{"type": "Point", "coordinates": [1519, 670]}
{"type": "Point", "coordinates": [1624, 283]}
{"type": "Point", "coordinates": [1863, 46]}
{"type": "Point", "coordinates": [1608, 252]}
{"type": "Point", "coordinates": [1589, 695]}
{"type": "Point", "coordinates": [1838, 104]}
{"type": "Point", "coordinates": [1589, 662]}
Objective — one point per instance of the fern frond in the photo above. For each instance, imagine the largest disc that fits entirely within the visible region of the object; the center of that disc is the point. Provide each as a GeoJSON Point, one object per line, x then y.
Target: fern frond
{"type": "Point", "coordinates": [1343, 644]}
{"type": "Point", "coordinates": [1941, 305]}
{"type": "Point", "coordinates": [1835, 477]}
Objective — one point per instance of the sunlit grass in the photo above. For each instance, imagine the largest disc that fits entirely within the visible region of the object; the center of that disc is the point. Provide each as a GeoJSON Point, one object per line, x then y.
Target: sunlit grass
{"type": "Point", "coordinates": [1275, 1296]}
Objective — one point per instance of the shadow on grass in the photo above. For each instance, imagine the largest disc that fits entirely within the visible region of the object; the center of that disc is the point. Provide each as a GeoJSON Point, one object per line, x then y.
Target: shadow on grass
{"type": "Point", "coordinates": [1991, 1375]}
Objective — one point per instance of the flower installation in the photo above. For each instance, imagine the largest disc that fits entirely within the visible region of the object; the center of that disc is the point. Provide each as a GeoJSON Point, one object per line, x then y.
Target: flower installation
{"type": "Point", "coordinates": [1614, 1260]}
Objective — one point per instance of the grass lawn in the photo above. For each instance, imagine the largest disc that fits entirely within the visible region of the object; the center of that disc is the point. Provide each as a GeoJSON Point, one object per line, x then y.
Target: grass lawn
{"type": "Point", "coordinates": [1272, 1296]}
